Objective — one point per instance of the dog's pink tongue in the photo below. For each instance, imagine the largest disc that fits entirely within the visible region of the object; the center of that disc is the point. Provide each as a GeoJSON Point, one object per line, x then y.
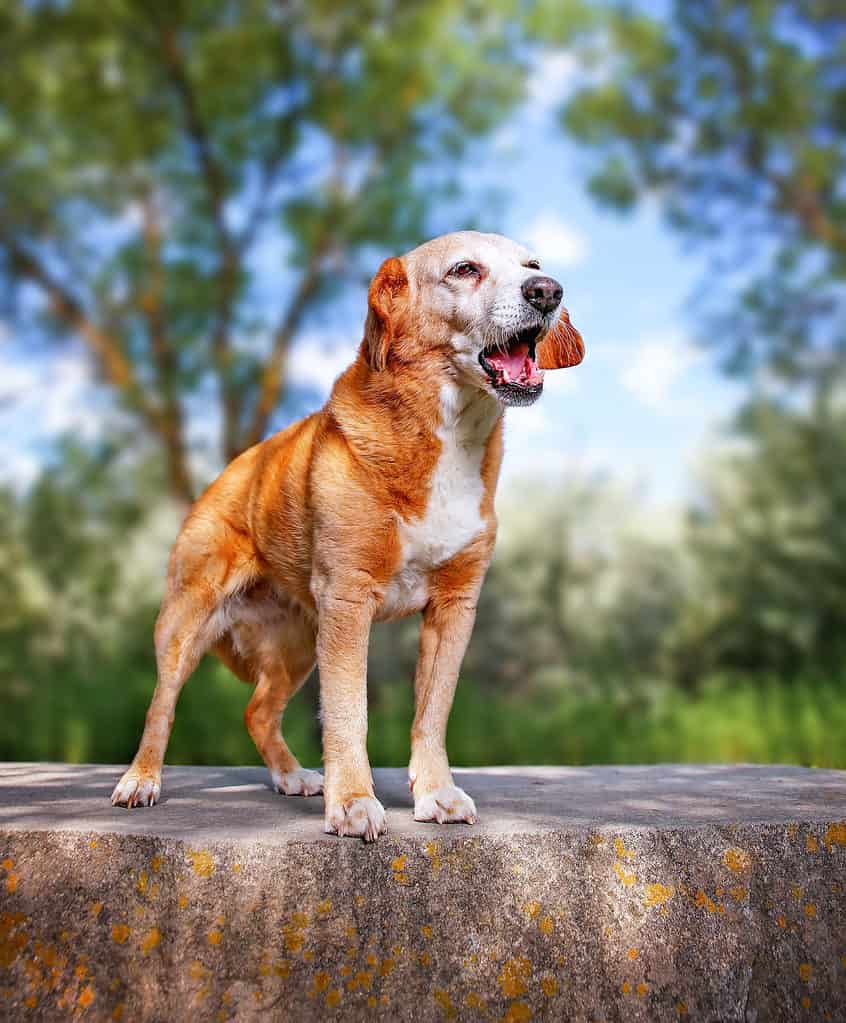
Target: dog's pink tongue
{"type": "Point", "coordinates": [510, 363]}
{"type": "Point", "coordinates": [516, 365]}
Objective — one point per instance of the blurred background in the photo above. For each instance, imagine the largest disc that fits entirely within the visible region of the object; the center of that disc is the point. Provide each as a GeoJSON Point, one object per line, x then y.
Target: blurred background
{"type": "Point", "coordinates": [193, 196]}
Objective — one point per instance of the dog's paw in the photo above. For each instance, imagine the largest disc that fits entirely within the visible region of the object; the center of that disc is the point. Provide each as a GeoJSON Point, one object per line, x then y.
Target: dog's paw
{"type": "Point", "coordinates": [446, 805]}
{"type": "Point", "coordinates": [300, 782]}
{"type": "Point", "coordinates": [363, 817]}
{"type": "Point", "coordinates": [137, 788]}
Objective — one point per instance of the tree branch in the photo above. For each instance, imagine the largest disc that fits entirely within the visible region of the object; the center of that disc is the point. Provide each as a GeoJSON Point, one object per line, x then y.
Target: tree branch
{"type": "Point", "coordinates": [229, 265]}
{"type": "Point", "coordinates": [114, 364]}
{"type": "Point", "coordinates": [273, 374]}
{"type": "Point", "coordinates": [151, 301]}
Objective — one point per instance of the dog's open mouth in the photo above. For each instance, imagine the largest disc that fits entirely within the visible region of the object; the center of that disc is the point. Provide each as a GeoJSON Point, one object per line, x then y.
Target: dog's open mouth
{"type": "Point", "coordinates": [513, 365]}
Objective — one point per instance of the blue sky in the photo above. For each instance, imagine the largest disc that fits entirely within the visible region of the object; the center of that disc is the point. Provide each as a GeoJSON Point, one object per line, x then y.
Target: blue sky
{"type": "Point", "coordinates": [641, 408]}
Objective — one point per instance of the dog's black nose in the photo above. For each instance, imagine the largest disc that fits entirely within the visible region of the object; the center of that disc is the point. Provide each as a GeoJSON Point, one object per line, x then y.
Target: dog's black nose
{"type": "Point", "coordinates": [543, 293]}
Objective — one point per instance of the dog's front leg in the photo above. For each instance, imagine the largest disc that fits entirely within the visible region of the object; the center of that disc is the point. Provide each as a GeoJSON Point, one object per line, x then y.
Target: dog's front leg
{"type": "Point", "coordinates": [447, 625]}
{"type": "Point", "coordinates": [344, 618]}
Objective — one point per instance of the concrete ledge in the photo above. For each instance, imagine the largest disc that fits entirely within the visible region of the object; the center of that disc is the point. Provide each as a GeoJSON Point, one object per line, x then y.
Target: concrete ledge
{"type": "Point", "coordinates": [614, 894]}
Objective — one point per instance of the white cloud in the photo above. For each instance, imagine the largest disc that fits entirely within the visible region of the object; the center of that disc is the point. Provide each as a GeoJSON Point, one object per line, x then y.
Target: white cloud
{"type": "Point", "coordinates": [653, 368]}
{"type": "Point", "coordinates": [39, 403]}
{"type": "Point", "coordinates": [552, 79]}
{"type": "Point", "coordinates": [556, 243]}
{"type": "Point", "coordinates": [317, 360]}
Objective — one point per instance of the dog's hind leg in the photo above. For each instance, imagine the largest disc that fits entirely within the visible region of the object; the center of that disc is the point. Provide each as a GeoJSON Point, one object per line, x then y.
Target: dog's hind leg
{"type": "Point", "coordinates": [276, 655]}
{"type": "Point", "coordinates": [184, 631]}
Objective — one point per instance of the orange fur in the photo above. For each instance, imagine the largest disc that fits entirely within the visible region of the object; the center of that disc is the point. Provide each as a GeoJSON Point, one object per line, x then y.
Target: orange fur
{"type": "Point", "coordinates": [562, 347]}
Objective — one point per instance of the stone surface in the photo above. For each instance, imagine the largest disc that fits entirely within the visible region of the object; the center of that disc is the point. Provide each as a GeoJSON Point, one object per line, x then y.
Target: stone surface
{"type": "Point", "coordinates": [595, 894]}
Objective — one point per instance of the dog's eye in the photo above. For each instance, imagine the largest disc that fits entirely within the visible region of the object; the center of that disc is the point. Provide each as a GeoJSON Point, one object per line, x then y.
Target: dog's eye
{"type": "Point", "coordinates": [532, 264]}
{"type": "Point", "coordinates": [464, 269]}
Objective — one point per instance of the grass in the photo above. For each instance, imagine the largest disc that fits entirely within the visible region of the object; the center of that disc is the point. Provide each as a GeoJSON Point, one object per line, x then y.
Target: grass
{"type": "Point", "coordinates": [728, 719]}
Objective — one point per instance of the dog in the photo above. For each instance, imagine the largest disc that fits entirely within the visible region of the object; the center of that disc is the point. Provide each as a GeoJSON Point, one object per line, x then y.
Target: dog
{"type": "Point", "coordinates": [378, 506]}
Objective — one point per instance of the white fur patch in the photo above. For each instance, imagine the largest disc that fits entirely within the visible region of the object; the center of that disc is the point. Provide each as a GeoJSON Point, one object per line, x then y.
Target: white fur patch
{"type": "Point", "coordinates": [453, 515]}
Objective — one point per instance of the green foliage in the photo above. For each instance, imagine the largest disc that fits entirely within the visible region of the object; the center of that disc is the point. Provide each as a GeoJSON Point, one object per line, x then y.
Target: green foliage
{"type": "Point", "coordinates": [731, 114]}
{"type": "Point", "coordinates": [617, 638]}
{"type": "Point", "coordinates": [769, 538]}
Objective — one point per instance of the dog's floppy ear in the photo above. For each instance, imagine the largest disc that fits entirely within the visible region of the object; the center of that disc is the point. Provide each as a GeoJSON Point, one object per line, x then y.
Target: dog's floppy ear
{"type": "Point", "coordinates": [562, 346]}
{"type": "Point", "coordinates": [388, 289]}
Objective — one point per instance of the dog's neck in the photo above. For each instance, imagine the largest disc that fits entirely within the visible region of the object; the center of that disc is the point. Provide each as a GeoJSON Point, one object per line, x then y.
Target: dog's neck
{"type": "Point", "coordinates": [468, 413]}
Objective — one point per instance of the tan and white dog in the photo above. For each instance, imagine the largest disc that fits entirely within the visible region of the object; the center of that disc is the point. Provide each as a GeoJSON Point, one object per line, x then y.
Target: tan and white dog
{"type": "Point", "coordinates": [378, 506]}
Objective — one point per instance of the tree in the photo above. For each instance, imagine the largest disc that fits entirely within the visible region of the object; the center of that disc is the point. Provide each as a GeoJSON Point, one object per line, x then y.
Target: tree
{"type": "Point", "coordinates": [153, 154]}
{"type": "Point", "coordinates": [732, 113]}
{"type": "Point", "coordinates": [769, 542]}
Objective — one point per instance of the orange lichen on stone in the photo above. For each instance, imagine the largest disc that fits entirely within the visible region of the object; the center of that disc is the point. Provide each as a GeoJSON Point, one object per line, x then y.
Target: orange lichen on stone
{"type": "Point", "coordinates": [811, 844]}
{"type": "Point", "coordinates": [736, 860]}
{"type": "Point", "coordinates": [622, 851]}
{"type": "Point", "coordinates": [626, 878]}
{"type": "Point", "coordinates": [782, 922]}
{"type": "Point", "coordinates": [294, 938]}
{"type": "Point", "coordinates": [625, 987]}
{"type": "Point", "coordinates": [681, 1008]}
{"type": "Point", "coordinates": [445, 1002]}
{"type": "Point", "coordinates": [632, 953]}
{"type": "Point", "coordinates": [183, 901]}
{"type": "Point", "coordinates": [549, 986]}
{"type": "Point", "coordinates": [386, 967]}
{"type": "Point", "coordinates": [514, 976]}
{"type": "Point", "coordinates": [95, 909]}
{"type": "Point", "coordinates": [424, 959]}
{"type": "Point", "coordinates": [11, 884]}
{"type": "Point", "coordinates": [362, 979]}
{"type": "Point", "coordinates": [546, 926]}
{"type": "Point", "coordinates": [792, 830]}
{"type": "Point", "coordinates": [517, 1012]}
{"type": "Point", "coordinates": [426, 931]}
{"type": "Point", "coordinates": [805, 972]}
{"type": "Point", "coordinates": [151, 939]}
{"type": "Point", "coordinates": [322, 980]}
{"type": "Point", "coordinates": [141, 885]}
{"type": "Point", "coordinates": [433, 851]}
{"type": "Point", "coordinates": [658, 894]}
{"type": "Point", "coordinates": [201, 861]}
{"type": "Point", "coordinates": [398, 867]}
{"type": "Point", "coordinates": [704, 901]}
{"type": "Point", "coordinates": [473, 1000]}
{"type": "Point", "coordinates": [810, 910]}
{"type": "Point", "coordinates": [7, 864]}
{"type": "Point", "coordinates": [120, 933]}
{"type": "Point", "coordinates": [532, 909]}
{"type": "Point", "coordinates": [324, 906]}
{"type": "Point", "coordinates": [214, 936]}
{"type": "Point", "coordinates": [117, 1012]}
{"type": "Point", "coordinates": [333, 997]}
{"type": "Point", "coordinates": [835, 835]}
{"type": "Point", "coordinates": [641, 989]}
{"type": "Point", "coordinates": [156, 864]}
{"type": "Point", "coordinates": [739, 893]}
{"type": "Point", "coordinates": [86, 996]}
{"type": "Point", "coordinates": [597, 839]}
{"type": "Point", "coordinates": [796, 891]}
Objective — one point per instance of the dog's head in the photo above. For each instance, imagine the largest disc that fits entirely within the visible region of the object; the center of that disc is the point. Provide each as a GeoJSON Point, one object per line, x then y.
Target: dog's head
{"type": "Point", "coordinates": [484, 302]}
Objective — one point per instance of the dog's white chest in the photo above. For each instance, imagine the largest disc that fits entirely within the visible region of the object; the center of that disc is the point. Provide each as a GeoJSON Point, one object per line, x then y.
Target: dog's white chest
{"type": "Point", "coordinates": [453, 515]}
